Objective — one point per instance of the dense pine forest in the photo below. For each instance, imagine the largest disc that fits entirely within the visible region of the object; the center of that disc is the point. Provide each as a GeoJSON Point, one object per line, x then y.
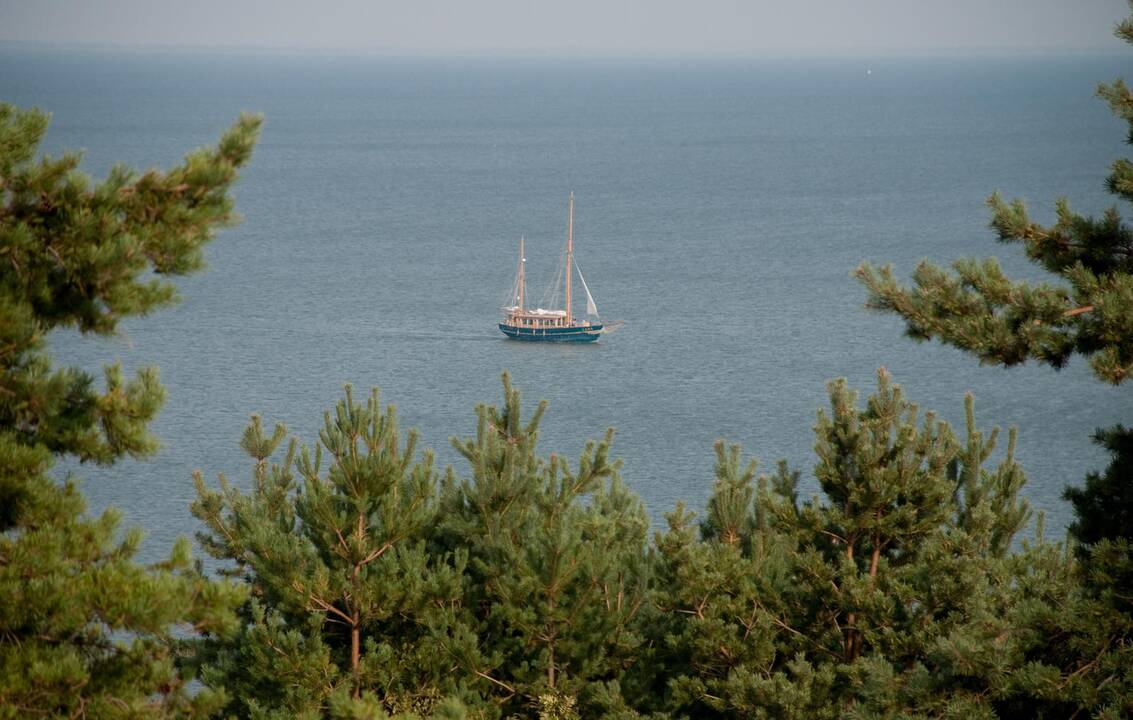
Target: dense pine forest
{"type": "Point", "coordinates": [359, 580]}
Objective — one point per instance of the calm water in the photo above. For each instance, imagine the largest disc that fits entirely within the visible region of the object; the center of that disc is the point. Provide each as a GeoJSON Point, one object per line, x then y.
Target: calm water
{"type": "Point", "coordinates": [720, 210]}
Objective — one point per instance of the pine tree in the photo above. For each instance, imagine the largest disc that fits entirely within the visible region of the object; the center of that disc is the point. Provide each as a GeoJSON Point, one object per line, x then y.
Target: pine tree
{"type": "Point", "coordinates": [84, 630]}
{"type": "Point", "coordinates": [724, 590]}
{"type": "Point", "coordinates": [556, 571]}
{"type": "Point", "coordinates": [341, 581]}
{"type": "Point", "coordinates": [838, 605]}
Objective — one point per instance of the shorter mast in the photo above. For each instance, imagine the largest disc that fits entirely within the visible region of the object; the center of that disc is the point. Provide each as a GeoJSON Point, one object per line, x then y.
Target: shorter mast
{"type": "Point", "coordinates": [522, 290]}
{"type": "Point", "coordinates": [570, 253]}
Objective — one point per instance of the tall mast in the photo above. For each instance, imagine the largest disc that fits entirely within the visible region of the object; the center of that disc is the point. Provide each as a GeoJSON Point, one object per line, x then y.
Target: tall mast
{"type": "Point", "coordinates": [522, 278]}
{"type": "Point", "coordinates": [570, 253]}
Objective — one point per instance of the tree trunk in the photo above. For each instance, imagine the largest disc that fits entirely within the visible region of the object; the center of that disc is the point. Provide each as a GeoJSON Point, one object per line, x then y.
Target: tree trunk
{"type": "Point", "coordinates": [551, 665]}
{"type": "Point", "coordinates": [356, 650]}
{"type": "Point", "coordinates": [851, 646]}
{"type": "Point", "coordinates": [356, 617]}
{"type": "Point", "coordinates": [854, 636]}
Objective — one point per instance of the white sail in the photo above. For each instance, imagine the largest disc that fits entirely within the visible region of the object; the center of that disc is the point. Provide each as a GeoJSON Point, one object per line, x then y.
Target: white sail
{"type": "Point", "coordinates": [591, 308]}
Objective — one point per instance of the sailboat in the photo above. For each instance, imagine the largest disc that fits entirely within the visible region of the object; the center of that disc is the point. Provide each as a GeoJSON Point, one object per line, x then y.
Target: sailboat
{"type": "Point", "coordinates": [554, 324]}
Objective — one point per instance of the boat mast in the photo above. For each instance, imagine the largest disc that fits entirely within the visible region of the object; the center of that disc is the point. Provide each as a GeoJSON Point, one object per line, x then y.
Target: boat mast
{"type": "Point", "coordinates": [522, 280]}
{"type": "Point", "coordinates": [570, 253]}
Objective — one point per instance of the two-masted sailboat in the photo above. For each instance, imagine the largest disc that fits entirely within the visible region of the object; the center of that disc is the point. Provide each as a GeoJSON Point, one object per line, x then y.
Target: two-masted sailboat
{"type": "Point", "coordinates": [551, 325]}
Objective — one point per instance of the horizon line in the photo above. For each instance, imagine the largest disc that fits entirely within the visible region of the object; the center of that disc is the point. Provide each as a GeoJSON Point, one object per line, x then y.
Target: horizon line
{"type": "Point", "coordinates": [568, 53]}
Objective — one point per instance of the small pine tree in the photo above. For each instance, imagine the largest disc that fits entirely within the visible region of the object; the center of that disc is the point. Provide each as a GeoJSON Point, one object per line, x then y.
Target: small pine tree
{"type": "Point", "coordinates": [341, 582]}
{"type": "Point", "coordinates": [556, 572]}
{"type": "Point", "coordinates": [838, 605]}
{"type": "Point", "coordinates": [84, 630]}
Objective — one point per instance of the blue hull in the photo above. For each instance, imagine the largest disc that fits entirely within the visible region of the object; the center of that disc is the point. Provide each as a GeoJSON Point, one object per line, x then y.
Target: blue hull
{"type": "Point", "coordinates": [580, 334]}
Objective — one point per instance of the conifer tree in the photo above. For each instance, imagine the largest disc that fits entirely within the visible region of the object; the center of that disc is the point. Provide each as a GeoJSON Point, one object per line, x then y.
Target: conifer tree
{"type": "Point", "coordinates": [838, 605]}
{"type": "Point", "coordinates": [84, 630]}
{"type": "Point", "coordinates": [556, 572]}
{"type": "Point", "coordinates": [341, 581]}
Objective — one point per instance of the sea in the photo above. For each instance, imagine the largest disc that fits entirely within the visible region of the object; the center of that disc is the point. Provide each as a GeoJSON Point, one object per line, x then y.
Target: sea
{"type": "Point", "coordinates": [721, 206]}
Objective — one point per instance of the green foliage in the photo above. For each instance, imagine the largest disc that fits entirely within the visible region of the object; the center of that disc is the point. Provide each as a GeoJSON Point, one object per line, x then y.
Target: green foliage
{"type": "Point", "coordinates": [340, 580]}
{"type": "Point", "coordinates": [378, 589]}
{"type": "Point", "coordinates": [1090, 312]}
{"type": "Point", "coordinates": [84, 630]}
{"type": "Point", "coordinates": [529, 589]}
{"type": "Point", "coordinates": [837, 606]}
{"type": "Point", "coordinates": [556, 573]}
{"type": "Point", "coordinates": [1104, 507]}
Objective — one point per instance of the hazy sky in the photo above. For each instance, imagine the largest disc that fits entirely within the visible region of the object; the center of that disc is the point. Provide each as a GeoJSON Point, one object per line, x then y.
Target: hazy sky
{"type": "Point", "coordinates": [578, 27]}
